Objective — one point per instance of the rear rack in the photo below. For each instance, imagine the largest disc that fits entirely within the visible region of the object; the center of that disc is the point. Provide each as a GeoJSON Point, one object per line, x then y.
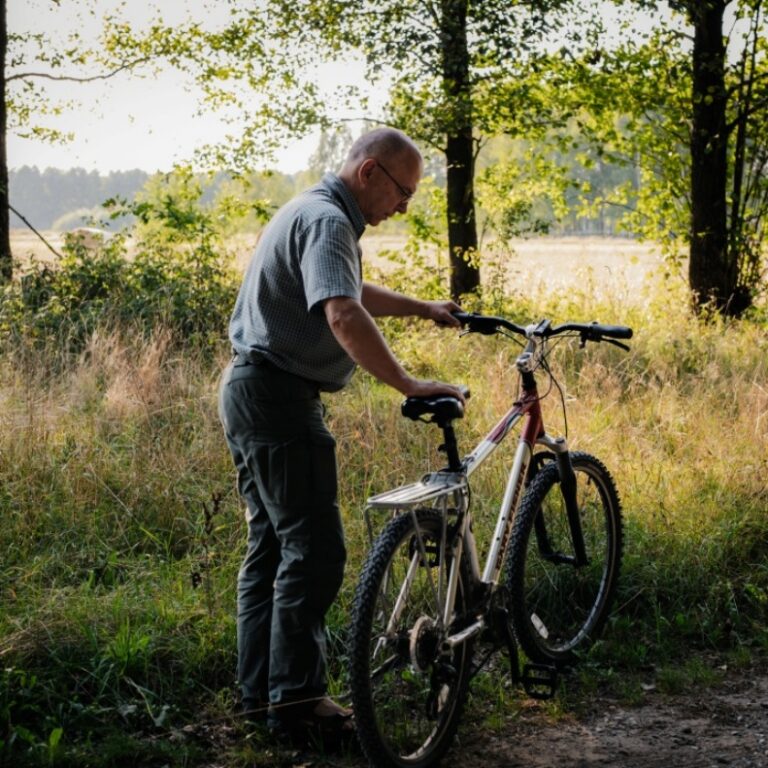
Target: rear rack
{"type": "Point", "coordinates": [429, 487]}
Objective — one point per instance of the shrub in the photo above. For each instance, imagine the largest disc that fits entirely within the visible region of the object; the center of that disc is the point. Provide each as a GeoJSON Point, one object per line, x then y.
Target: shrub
{"type": "Point", "coordinates": [170, 270]}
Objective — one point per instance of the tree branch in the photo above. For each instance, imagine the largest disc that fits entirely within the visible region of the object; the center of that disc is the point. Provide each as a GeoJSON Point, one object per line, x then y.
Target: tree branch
{"type": "Point", "coordinates": [754, 80]}
{"type": "Point", "coordinates": [73, 78]}
{"type": "Point", "coordinates": [50, 247]}
{"type": "Point", "coordinates": [756, 106]}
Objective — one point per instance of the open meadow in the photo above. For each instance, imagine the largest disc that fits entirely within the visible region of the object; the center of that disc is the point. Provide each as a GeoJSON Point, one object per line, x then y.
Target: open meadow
{"type": "Point", "coordinates": [611, 264]}
{"type": "Point", "coordinates": [121, 531]}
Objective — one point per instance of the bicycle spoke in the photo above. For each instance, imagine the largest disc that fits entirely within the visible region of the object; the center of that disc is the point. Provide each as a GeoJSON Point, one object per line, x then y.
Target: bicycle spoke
{"type": "Point", "coordinates": [558, 605]}
{"type": "Point", "coordinates": [407, 692]}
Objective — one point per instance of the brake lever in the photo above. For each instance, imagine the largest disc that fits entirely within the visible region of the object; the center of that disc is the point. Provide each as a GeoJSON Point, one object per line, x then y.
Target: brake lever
{"type": "Point", "coordinates": [616, 344]}
{"type": "Point", "coordinates": [584, 338]}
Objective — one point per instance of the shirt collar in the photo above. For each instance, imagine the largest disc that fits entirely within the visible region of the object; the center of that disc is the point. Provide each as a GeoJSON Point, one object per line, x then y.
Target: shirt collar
{"type": "Point", "coordinates": [347, 200]}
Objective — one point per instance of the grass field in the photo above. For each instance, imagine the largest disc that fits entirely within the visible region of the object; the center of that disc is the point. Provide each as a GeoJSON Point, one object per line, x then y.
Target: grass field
{"type": "Point", "coordinates": [612, 264]}
{"type": "Point", "coordinates": [121, 531]}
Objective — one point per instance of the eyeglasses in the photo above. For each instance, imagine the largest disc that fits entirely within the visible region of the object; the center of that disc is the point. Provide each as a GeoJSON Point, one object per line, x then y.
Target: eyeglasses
{"type": "Point", "coordinates": [403, 191]}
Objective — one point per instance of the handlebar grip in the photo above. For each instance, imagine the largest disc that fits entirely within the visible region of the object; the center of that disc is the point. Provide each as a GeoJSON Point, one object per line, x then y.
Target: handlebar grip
{"type": "Point", "coordinates": [614, 331]}
{"type": "Point", "coordinates": [478, 323]}
{"type": "Point", "coordinates": [486, 324]}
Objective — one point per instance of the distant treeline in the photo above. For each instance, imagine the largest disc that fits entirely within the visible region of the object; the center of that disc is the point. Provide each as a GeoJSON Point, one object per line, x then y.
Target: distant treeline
{"type": "Point", "coordinates": [56, 199]}
{"type": "Point", "coordinates": [62, 200]}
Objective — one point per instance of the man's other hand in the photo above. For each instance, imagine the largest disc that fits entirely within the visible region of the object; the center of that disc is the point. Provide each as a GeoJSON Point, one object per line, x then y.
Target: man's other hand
{"type": "Point", "coordinates": [440, 312]}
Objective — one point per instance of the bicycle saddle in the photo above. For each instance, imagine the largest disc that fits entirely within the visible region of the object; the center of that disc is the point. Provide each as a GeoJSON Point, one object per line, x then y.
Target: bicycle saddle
{"type": "Point", "coordinates": [442, 407]}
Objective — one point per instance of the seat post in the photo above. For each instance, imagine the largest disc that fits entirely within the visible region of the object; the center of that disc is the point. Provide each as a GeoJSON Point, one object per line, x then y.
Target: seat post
{"type": "Point", "coordinates": [449, 446]}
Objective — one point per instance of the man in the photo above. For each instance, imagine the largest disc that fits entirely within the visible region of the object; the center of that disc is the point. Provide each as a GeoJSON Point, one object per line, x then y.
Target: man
{"type": "Point", "coordinates": [302, 322]}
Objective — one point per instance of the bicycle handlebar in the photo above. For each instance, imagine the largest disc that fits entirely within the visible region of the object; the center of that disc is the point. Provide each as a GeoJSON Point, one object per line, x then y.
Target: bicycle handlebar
{"type": "Point", "coordinates": [595, 329]}
{"type": "Point", "coordinates": [488, 325]}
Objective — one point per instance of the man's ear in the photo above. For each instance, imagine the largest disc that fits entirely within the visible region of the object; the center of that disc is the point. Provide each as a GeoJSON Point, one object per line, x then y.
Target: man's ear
{"type": "Point", "coordinates": [365, 170]}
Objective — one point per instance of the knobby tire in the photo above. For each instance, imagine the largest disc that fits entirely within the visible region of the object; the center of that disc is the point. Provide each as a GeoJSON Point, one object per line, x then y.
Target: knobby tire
{"type": "Point", "coordinates": [559, 608]}
{"type": "Point", "coordinates": [406, 715]}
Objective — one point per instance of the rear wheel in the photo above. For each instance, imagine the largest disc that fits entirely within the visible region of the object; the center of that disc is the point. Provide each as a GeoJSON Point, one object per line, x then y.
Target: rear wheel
{"type": "Point", "coordinates": [408, 692]}
{"type": "Point", "coordinates": [559, 606]}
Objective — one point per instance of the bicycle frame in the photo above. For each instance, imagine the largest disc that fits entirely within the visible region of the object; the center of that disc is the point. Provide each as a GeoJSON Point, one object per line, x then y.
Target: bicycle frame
{"type": "Point", "coordinates": [427, 616]}
{"type": "Point", "coordinates": [439, 488]}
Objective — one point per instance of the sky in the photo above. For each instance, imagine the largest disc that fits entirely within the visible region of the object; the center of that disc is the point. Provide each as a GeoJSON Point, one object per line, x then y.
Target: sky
{"type": "Point", "coordinates": [148, 123]}
{"type": "Point", "coordinates": [130, 122]}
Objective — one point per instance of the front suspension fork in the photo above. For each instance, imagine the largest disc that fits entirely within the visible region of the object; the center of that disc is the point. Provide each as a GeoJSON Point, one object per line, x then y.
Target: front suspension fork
{"type": "Point", "coordinates": [561, 454]}
{"type": "Point", "coordinates": [568, 489]}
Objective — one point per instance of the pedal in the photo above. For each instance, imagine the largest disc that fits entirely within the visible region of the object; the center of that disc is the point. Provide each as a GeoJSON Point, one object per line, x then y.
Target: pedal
{"type": "Point", "coordinates": [539, 681]}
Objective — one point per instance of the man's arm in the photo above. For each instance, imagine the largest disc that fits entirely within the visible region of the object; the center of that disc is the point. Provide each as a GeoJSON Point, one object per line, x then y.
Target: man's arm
{"type": "Point", "coordinates": [381, 301]}
{"type": "Point", "coordinates": [354, 328]}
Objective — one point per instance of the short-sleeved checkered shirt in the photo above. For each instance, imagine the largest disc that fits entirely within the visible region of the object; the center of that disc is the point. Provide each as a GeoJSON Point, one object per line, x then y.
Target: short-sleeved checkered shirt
{"type": "Point", "coordinates": [309, 252]}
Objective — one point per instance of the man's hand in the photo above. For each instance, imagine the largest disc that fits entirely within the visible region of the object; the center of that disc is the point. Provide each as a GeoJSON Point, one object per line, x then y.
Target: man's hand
{"type": "Point", "coordinates": [440, 312]}
{"type": "Point", "coordinates": [354, 329]}
{"type": "Point", "coordinates": [427, 388]}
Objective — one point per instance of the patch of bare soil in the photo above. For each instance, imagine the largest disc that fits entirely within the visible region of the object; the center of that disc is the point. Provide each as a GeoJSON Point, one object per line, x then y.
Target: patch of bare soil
{"type": "Point", "coordinates": [726, 725]}
{"type": "Point", "coordinates": [721, 726]}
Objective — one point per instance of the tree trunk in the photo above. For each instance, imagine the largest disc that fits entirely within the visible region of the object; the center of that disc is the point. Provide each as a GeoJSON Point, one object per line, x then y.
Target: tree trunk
{"type": "Point", "coordinates": [712, 272]}
{"type": "Point", "coordinates": [462, 228]}
{"type": "Point", "coordinates": [742, 246]}
{"type": "Point", "coordinates": [459, 151]}
{"type": "Point", "coordinates": [6, 264]}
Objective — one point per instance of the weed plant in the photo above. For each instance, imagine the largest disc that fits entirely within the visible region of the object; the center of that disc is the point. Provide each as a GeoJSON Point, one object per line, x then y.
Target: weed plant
{"type": "Point", "coordinates": [121, 531]}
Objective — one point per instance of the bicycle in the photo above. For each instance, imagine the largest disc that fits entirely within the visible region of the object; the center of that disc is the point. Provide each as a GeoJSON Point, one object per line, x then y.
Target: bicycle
{"type": "Point", "coordinates": [422, 603]}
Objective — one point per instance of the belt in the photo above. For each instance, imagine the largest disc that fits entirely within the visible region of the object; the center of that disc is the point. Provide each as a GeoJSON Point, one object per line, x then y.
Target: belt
{"type": "Point", "coordinates": [253, 357]}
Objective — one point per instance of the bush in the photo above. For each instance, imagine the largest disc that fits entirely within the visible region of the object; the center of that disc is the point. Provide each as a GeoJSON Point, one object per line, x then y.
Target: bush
{"type": "Point", "coordinates": [122, 532]}
{"type": "Point", "coordinates": [170, 271]}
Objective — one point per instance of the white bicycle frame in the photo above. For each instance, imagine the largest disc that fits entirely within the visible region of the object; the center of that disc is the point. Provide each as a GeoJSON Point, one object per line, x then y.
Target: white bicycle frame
{"type": "Point", "coordinates": [448, 492]}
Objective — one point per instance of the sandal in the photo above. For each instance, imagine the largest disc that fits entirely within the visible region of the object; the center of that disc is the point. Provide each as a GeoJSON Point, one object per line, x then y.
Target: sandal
{"type": "Point", "coordinates": [253, 711]}
{"type": "Point", "coordinates": [328, 726]}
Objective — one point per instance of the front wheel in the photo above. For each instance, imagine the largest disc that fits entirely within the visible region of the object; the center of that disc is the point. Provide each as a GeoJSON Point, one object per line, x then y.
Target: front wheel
{"type": "Point", "coordinates": [559, 604]}
{"type": "Point", "coordinates": [408, 690]}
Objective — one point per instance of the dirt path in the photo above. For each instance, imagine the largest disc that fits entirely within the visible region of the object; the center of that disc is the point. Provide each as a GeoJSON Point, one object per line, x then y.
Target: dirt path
{"type": "Point", "coordinates": [722, 726]}
{"type": "Point", "coordinates": [725, 725]}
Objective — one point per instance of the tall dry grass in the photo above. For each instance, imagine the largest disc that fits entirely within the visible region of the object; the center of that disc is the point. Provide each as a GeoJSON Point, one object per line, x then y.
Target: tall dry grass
{"type": "Point", "coordinates": [121, 532]}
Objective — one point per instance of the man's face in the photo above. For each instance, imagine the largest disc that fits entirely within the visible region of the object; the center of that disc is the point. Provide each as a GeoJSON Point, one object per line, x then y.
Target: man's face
{"type": "Point", "coordinates": [390, 185]}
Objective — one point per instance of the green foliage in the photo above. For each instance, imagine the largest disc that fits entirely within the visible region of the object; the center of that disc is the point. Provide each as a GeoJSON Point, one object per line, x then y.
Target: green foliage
{"type": "Point", "coordinates": [520, 191]}
{"type": "Point", "coordinates": [418, 267]}
{"type": "Point", "coordinates": [122, 532]}
{"type": "Point", "coordinates": [630, 121]}
{"type": "Point", "coordinates": [171, 271]}
{"type": "Point", "coordinates": [415, 42]}
{"type": "Point", "coordinates": [635, 104]}
{"type": "Point", "coordinates": [33, 57]}
{"type": "Point", "coordinates": [101, 622]}
{"type": "Point", "coordinates": [613, 108]}
{"type": "Point", "coordinates": [243, 67]}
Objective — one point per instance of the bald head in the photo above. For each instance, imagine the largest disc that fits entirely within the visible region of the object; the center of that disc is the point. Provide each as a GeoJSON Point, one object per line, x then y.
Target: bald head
{"type": "Point", "coordinates": [382, 171]}
{"type": "Point", "coordinates": [381, 144]}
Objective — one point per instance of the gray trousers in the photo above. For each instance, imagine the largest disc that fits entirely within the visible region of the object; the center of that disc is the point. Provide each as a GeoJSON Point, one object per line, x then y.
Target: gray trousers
{"type": "Point", "coordinates": [293, 567]}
